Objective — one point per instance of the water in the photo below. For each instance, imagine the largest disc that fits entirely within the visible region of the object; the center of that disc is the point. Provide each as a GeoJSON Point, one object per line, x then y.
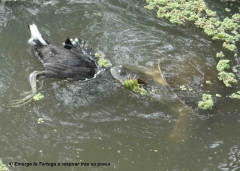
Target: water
{"type": "Point", "coordinates": [100, 121]}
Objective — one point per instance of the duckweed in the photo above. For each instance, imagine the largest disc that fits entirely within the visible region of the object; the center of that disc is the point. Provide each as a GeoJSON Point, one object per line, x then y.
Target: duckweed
{"type": "Point", "coordinates": [183, 87]}
{"type": "Point", "coordinates": [98, 55]}
{"type": "Point", "coordinates": [206, 103]}
{"type": "Point", "coordinates": [228, 78]}
{"type": "Point", "coordinates": [133, 85]}
{"type": "Point", "coordinates": [220, 55]}
{"type": "Point", "coordinates": [40, 120]}
{"type": "Point", "coordinates": [209, 82]}
{"type": "Point", "coordinates": [183, 11]}
{"type": "Point", "coordinates": [104, 63]}
{"type": "Point", "coordinates": [223, 65]}
{"type": "Point", "coordinates": [227, 9]}
{"type": "Point", "coordinates": [234, 70]}
{"type": "Point", "coordinates": [226, 30]}
{"type": "Point", "coordinates": [38, 96]}
{"type": "Point", "coordinates": [3, 167]}
{"type": "Point", "coordinates": [229, 46]}
{"type": "Point", "coordinates": [235, 95]}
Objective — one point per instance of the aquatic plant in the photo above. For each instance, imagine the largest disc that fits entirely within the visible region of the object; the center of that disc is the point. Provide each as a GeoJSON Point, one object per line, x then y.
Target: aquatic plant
{"type": "Point", "coordinates": [209, 82]}
{"type": "Point", "coordinates": [3, 167]}
{"type": "Point", "coordinates": [223, 64]}
{"type": "Point", "coordinates": [229, 46]}
{"type": "Point", "coordinates": [235, 95]}
{"type": "Point", "coordinates": [227, 9]}
{"type": "Point", "coordinates": [98, 55]}
{"type": "Point", "coordinates": [183, 11]}
{"type": "Point", "coordinates": [133, 85]}
{"type": "Point", "coordinates": [225, 30]}
{"type": "Point", "coordinates": [228, 78]}
{"type": "Point", "coordinates": [220, 55]}
{"type": "Point", "coordinates": [40, 120]}
{"type": "Point", "coordinates": [38, 97]}
{"type": "Point", "coordinates": [206, 103]}
{"type": "Point", "coordinates": [218, 95]}
{"type": "Point", "coordinates": [183, 87]}
{"type": "Point", "coordinates": [104, 62]}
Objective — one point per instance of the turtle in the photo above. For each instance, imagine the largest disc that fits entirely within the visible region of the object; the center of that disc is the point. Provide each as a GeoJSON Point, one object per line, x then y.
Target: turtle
{"type": "Point", "coordinates": [76, 61]}
{"type": "Point", "coordinates": [146, 77]}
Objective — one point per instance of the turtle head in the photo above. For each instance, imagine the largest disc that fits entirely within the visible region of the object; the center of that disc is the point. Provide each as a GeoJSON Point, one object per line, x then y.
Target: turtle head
{"type": "Point", "coordinates": [119, 73]}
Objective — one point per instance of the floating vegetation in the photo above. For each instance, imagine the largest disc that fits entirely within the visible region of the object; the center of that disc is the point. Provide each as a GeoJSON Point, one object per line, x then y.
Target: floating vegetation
{"type": "Point", "coordinates": [3, 167]}
{"type": "Point", "coordinates": [228, 78]}
{"type": "Point", "coordinates": [230, 47]}
{"type": "Point", "coordinates": [234, 70]}
{"type": "Point", "coordinates": [223, 65]}
{"type": "Point", "coordinates": [133, 85]}
{"type": "Point", "coordinates": [40, 120]}
{"type": "Point", "coordinates": [227, 9]}
{"type": "Point", "coordinates": [209, 82]}
{"type": "Point", "coordinates": [220, 55]}
{"type": "Point", "coordinates": [183, 87]}
{"type": "Point", "coordinates": [206, 103]}
{"type": "Point", "coordinates": [218, 95]}
{"type": "Point", "coordinates": [226, 30]}
{"type": "Point", "coordinates": [98, 55]}
{"type": "Point", "coordinates": [183, 11]}
{"type": "Point", "coordinates": [235, 95]}
{"type": "Point", "coordinates": [104, 62]}
{"type": "Point", "coordinates": [38, 97]}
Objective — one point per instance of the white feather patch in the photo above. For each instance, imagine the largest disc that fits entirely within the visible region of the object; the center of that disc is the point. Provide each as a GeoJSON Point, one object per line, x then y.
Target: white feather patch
{"type": "Point", "coordinates": [36, 35]}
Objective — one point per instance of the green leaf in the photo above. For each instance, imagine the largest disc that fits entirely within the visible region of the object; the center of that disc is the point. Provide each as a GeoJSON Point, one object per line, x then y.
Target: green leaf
{"type": "Point", "coordinates": [235, 95]}
{"type": "Point", "coordinates": [183, 87]}
{"type": "Point", "coordinates": [206, 103]}
{"type": "Point", "coordinates": [40, 120]}
{"type": "Point", "coordinates": [104, 63]}
{"type": "Point", "coordinates": [223, 65]}
{"type": "Point", "coordinates": [3, 167]}
{"type": "Point", "coordinates": [38, 96]}
{"type": "Point", "coordinates": [133, 85]}
{"type": "Point", "coordinates": [228, 78]}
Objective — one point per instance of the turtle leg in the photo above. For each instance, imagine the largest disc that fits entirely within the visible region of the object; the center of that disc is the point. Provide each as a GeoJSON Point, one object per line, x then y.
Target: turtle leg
{"type": "Point", "coordinates": [33, 82]}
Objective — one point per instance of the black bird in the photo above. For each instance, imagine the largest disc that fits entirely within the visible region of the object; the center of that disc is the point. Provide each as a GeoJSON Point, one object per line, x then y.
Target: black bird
{"type": "Point", "coordinates": [68, 62]}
